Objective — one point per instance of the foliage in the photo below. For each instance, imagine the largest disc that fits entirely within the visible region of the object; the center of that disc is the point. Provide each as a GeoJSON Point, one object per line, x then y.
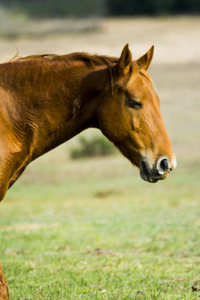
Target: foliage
{"type": "Point", "coordinates": [90, 147]}
{"type": "Point", "coordinates": [152, 7]}
{"type": "Point", "coordinates": [59, 8]}
{"type": "Point", "coordinates": [80, 8]}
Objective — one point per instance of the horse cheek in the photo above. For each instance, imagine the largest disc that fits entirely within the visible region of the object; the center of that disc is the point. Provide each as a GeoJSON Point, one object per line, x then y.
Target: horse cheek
{"type": "Point", "coordinates": [112, 126]}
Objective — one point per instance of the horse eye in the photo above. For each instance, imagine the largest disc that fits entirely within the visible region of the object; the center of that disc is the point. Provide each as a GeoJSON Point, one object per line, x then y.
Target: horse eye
{"type": "Point", "coordinates": [134, 104]}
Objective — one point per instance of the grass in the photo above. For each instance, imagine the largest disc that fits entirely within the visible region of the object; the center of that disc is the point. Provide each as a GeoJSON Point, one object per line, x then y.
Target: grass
{"type": "Point", "coordinates": [100, 233]}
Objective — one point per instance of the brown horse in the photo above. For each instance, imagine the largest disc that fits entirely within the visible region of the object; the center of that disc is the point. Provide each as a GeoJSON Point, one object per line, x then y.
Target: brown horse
{"type": "Point", "coordinates": [3, 286]}
{"type": "Point", "coordinates": [48, 99]}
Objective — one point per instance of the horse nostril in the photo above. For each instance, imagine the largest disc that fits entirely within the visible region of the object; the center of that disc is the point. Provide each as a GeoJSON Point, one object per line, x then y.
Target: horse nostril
{"type": "Point", "coordinates": [162, 166]}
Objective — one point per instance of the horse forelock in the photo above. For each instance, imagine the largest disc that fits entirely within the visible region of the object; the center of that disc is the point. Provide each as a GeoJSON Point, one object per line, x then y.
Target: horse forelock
{"type": "Point", "coordinates": [146, 75]}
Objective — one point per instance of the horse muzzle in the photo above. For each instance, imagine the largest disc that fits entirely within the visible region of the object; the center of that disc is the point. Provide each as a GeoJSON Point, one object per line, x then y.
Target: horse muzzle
{"type": "Point", "coordinates": [159, 171]}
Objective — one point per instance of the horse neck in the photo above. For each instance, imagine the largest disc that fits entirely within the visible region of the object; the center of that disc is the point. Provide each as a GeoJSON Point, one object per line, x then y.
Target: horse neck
{"type": "Point", "coordinates": [78, 112]}
{"type": "Point", "coordinates": [94, 86]}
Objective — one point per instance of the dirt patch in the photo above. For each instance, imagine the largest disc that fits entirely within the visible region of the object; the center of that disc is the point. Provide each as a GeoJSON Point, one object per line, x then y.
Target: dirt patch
{"type": "Point", "coordinates": [106, 252]}
{"type": "Point", "coordinates": [16, 252]}
{"type": "Point", "coordinates": [32, 226]}
{"type": "Point", "coordinates": [106, 193]}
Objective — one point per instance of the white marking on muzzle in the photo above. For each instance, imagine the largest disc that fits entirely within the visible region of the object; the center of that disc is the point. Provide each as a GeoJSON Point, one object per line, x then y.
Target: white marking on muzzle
{"type": "Point", "coordinates": [173, 163]}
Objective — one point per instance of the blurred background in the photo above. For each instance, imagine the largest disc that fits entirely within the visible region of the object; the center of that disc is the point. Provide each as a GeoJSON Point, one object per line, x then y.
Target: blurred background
{"type": "Point", "coordinates": [70, 183]}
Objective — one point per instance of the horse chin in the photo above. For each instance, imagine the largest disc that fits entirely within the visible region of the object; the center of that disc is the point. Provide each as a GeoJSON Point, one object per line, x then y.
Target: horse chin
{"type": "Point", "coordinates": [148, 178]}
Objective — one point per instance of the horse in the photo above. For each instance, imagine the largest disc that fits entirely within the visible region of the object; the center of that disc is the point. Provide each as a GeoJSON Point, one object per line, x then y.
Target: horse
{"type": "Point", "coordinates": [48, 99]}
{"type": "Point", "coordinates": [3, 286]}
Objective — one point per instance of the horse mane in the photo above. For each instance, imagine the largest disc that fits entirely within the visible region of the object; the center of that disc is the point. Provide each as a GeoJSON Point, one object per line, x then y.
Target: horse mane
{"type": "Point", "coordinates": [88, 59]}
{"type": "Point", "coordinates": [84, 57]}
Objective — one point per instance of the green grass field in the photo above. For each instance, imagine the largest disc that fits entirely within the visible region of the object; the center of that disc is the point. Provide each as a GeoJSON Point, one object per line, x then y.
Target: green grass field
{"type": "Point", "coordinates": [92, 232]}
{"type": "Point", "coordinates": [92, 229]}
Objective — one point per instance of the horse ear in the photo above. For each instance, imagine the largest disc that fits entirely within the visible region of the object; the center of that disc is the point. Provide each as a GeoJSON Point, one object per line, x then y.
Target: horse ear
{"type": "Point", "coordinates": [145, 60]}
{"type": "Point", "coordinates": [124, 62]}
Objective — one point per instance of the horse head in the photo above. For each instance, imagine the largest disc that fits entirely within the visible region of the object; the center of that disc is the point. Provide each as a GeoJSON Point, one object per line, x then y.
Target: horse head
{"type": "Point", "coordinates": [130, 117]}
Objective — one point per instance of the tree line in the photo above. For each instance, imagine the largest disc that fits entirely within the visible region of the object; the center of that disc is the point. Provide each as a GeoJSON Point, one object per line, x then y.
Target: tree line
{"type": "Point", "coordinates": [153, 7]}
{"type": "Point", "coordinates": [81, 8]}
